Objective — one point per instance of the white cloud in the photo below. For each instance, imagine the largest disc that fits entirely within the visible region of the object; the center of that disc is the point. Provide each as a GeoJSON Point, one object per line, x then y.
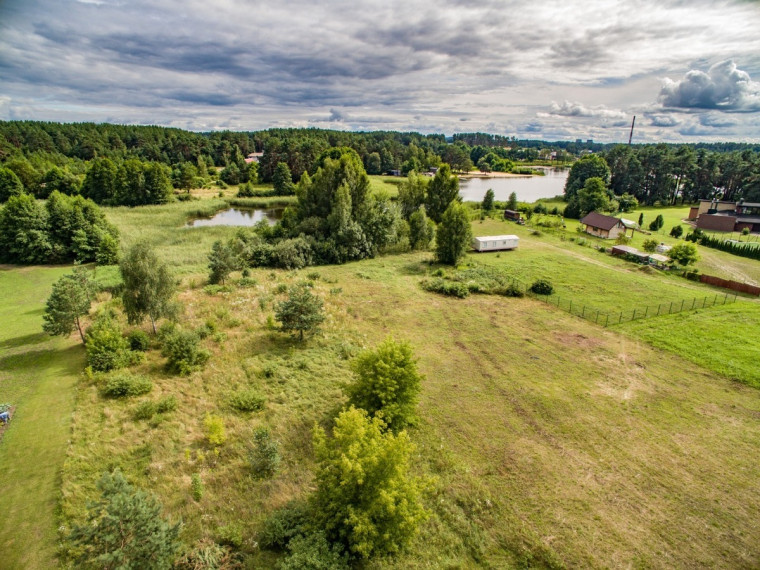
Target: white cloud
{"type": "Point", "coordinates": [723, 87]}
{"type": "Point", "coordinates": [569, 109]}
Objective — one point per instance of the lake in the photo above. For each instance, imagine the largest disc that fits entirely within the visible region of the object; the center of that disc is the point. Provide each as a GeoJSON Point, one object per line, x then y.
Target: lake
{"type": "Point", "coordinates": [239, 217]}
{"type": "Point", "coordinates": [528, 189]}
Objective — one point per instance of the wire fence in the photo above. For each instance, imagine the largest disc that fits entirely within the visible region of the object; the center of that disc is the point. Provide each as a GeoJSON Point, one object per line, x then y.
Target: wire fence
{"type": "Point", "coordinates": [608, 319]}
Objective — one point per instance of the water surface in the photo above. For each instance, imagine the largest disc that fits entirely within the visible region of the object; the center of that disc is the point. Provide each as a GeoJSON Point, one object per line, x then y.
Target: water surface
{"type": "Point", "coordinates": [528, 189]}
{"type": "Point", "coordinates": [239, 217]}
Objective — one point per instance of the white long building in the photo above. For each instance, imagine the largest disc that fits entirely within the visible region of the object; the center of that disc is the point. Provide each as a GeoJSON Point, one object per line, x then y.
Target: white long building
{"type": "Point", "coordinates": [495, 243]}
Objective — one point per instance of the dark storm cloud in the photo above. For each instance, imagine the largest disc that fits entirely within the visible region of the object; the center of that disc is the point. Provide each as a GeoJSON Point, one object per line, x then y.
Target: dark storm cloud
{"type": "Point", "coordinates": [723, 87]}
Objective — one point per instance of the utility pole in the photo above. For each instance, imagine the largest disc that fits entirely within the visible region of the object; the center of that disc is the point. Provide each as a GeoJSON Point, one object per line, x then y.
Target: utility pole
{"type": "Point", "coordinates": [630, 137]}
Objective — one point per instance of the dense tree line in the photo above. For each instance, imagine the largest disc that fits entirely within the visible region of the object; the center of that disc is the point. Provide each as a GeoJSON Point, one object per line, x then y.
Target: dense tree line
{"type": "Point", "coordinates": [63, 228]}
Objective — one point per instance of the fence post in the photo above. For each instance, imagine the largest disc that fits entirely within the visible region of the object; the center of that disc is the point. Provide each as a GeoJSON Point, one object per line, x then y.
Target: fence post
{"type": "Point", "coordinates": [704, 301]}
{"type": "Point", "coordinates": [607, 319]}
{"type": "Point", "coordinates": [715, 300]}
{"type": "Point", "coordinates": [570, 309]}
{"type": "Point", "coordinates": [658, 309]}
{"type": "Point", "coordinates": [725, 299]}
{"type": "Point", "coordinates": [682, 302]}
{"type": "Point", "coordinates": [583, 313]}
{"type": "Point", "coordinates": [693, 302]}
{"type": "Point", "coordinates": [620, 320]}
{"type": "Point", "coordinates": [670, 310]}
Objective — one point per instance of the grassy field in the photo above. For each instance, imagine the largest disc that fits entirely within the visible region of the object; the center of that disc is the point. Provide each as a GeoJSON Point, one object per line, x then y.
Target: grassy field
{"type": "Point", "coordinates": [37, 375]}
{"type": "Point", "coordinates": [548, 441]}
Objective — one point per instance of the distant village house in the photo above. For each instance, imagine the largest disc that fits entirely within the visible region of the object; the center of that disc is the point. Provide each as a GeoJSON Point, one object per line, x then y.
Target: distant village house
{"type": "Point", "coordinates": [720, 216]}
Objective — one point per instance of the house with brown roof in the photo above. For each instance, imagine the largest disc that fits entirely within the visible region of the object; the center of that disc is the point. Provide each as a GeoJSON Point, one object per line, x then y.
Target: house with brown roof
{"type": "Point", "coordinates": [603, 226]}
{"type": "Point", "coordinates": [723, 216]}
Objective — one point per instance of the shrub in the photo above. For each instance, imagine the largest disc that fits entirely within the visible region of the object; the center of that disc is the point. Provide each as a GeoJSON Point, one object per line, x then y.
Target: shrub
{"type": "Point", "coordinates": [511, 290]}
{"type": "Point", "coordinates": [214, 428]}
{"type": "Point", "coordinates": [144, 410]}
{"type": "Point", "coordinates": [650, 245]}
{"type": "Point", "coordinates": [138, 340]}
{"type": "Point", "coordinates": [247, 401]}
{"type": "Point", "coordinates": [284, 524]}
{"type": "Point", "coordinates": [126, 385]}
{"type": "Point", "coordinates": [301, 312]}
{"type": "Point", "coordinates": [444, 287]}
{"type": "Point", "coordinates": [542, 287]}
{"type": "Point", "coordinates": [677, 231]}
{"type": "Point", "coordinates": [230, 535]}
{"type": "Point", "coordinates": [313, 552]}
{"type": "Point", "coordinates": [168, 404]}
{"type": "Point", "coordinates": [264, 457]}
{"type": "Point", "coordinates": [183, 352]}
{"type": "Point", "coordinates": [124, 529]}
{"type": "Point", "coordinates": [745, 231]}
{"type": "Point", "coordinates": [196, 486]}
{"type": "Point", "coordinates": [387, 383]}
{"type": "Point", "coordinates": [208, 555]}
{"type": "Point", "coordinates": [107, 349]}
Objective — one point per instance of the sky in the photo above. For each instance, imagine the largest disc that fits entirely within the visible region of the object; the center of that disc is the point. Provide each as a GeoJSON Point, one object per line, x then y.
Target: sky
{"type": "Point", "coordinates": [689, 70]}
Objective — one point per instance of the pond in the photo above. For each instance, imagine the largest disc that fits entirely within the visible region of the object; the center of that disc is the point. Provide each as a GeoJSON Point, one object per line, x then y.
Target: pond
{"type": "Point", "coordinates": [239, 217]}
{"type": "Point", "coordinates": [527, 188]}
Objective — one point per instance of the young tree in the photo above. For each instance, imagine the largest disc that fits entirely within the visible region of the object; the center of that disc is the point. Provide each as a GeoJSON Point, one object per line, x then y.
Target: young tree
{"type": "Point", "coordinates": [70, 300]}
{"type": "Point", "coordinates": [454, 234]}
{"type": "Point", "coordinates": [657, 223]}
{"type": "Point", "coordinates": [301, 311]}
{"type": "Point", "coordinates": [641, 220]}
{"type": "Point", "coordinates": [387, 383]}
{"type": "Point", "coordinates": [125, 530]}
{"type": "Point", "coordinates": [488, 200]}
{"type": "Point", "coordinates": [684, 254]}
{"type": "Point", "coordinates": [677, 231]}
{"type": "Point", "coordinates": [421, 229]}
{"type": "Point", "coordinates": [411, 194]}
{"type": "Point", "coordinates": [649, 245]}
{"type": "Point", "coordinates": [365, 498]}
{"type": "Point", "coordinates": [282, 180]}
{"type": "Point", "coordinates": [222, 261]}
{"type": "Point", "coordinates": [443, 190]}
{"type": "Point", "coordinates": [148, 285]}
{"type": "Point", "coordinates": [512, 202]}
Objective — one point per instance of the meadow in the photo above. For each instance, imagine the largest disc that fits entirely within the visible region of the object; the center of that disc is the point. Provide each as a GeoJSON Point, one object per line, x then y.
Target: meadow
{"type": "Point", "coordinates": [546, 441]}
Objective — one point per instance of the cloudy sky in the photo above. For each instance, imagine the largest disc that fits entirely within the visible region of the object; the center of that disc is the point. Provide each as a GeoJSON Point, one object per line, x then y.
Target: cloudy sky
{"type": "Point", "coordinates": [688, 69]}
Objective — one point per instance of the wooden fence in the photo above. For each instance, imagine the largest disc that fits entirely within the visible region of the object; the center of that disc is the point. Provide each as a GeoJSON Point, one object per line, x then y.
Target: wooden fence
{"type": "Point", "coordinates": [729, 284]}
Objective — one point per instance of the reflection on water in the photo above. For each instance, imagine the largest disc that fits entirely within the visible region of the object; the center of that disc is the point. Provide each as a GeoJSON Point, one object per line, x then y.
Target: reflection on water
{"type": "Point", "coordinates": [528, 189]}
{"type": "Point", "coordinates": [239, 217]}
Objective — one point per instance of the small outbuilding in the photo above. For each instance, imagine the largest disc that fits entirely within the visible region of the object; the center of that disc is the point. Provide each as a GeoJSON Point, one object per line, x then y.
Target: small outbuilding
{"type": "Point", "coordinates": [603, 226]}
{"type": "Point", "coordinates": [513, 215]}
{"type": "Point", "coordinates": [630, 253]}
{"type": "Point", "coordinates": [495, 243]}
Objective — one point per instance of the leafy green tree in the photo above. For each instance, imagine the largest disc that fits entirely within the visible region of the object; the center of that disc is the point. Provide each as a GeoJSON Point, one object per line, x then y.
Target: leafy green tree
{"type": "Point", "coordinates": [301, 312]}
{"type": "Point", "coordinates": [641, 220]}
{"type": "Point", "coordinates": [627, 203]}
{"type": "Point", "coordinates": [411, 194]}
{"type": "Point", "coordinates": [454, 234]}
{"type": "Point", "coordinates": [70, 300]}
{"type": "Point", "coordinates": [24, 231]}
{"type": "Point", "coordinates": [184, 175]}
{"type": "Point", "coordinates": [58, 180]}
{"type": "Point", "coordinates": [589, 166]}
{"type": "Point", "coordinates": [593, 196]}
{"type": "Point", "coordinates": [183, 352]}
{"type": "Point", "coordinates": [387, 383]}
{"type": "Point", "coordinates": [158, 184]}
{"type": "Point", "coordinates": [222, 261]}
{"type": "Point", "coordinates": [443, 190]}
{"type": "Point", "coordinates": [10, 185]}
{"type": "Point", "coordinates": [512, 202]}
{"type": "Point", "coordinates": [677, 231]}
{"type": "Point", "coordinates": [124, 530]}
{"type": "Point", "coordinates": [100, 181]}
{"type": "Point", "coordinates": [421, 229]}
{"type": "Point", "coordinates": [282, 180]}
{"type": "Point", "coordinates": [374, 163]}
{"type": "Point", "coordinates": [684, 254]}
{"type": "Point", "coordinates": [365, 498]}
{"type": "Point", "coordinates": [488, 200]}
{"type": "Point", "coordinates": [657, 223]}
{"type": "Point", "coordinates": [148, 285]}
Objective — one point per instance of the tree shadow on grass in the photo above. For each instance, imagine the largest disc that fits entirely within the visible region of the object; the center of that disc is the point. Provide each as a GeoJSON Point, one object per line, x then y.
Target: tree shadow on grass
{"type": "Point", "coordinates": [41, 358]}
{"type": "Point", "coordinates": [24, 340]}
{"type": "Point", "coordinates": [415, 268]}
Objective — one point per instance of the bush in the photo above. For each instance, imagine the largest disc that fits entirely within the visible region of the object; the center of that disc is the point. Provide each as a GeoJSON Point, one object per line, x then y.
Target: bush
{"type": "Point", "coordinates": [387, 383]}
{"type": "Point", "coordinates": [196, 486]}
{"type": "Point", "coordinates": [107, 349]}
{"type": "Point", "coordinates": [168, 404]}
{"type": "Point", "coordinates": [511, 290]}
{"type": "Point", "coordinates": [214, 428]}
{"type": "Point", "coordinates": [183, 352]}
{"type": "Point", "coordinates": [677, 231]}
{"type": "Point", "coordinates": [542, 287]}
{"type": "Point", "coordinates": [144, 410]}
{"type": "Point", "coordinates": [650, 245]}
{"type": "Point", "coordinates": [264, 457]}
{"type": "Point", "coordinates": [126, 385]}
{"type": "Point", "coordinates": [208, 555]}
{"type": "Point", "coordinates": [138, 341]}
{"type": "Point", "coordinates": [313, 552]}
{"type": "Point", "coordinates": [230, 535]}
{"type": "Point", "coordinates": [247, 401]}
{"type": "Point", "coordinates": [284, 524]}
{"type": "Point", "coordinates": [301, 312]}
{"type": "Point", "coordinates": [444, 287]}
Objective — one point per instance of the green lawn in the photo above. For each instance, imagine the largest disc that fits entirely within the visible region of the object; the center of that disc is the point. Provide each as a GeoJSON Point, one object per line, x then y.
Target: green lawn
{"type": "Point", "coordinates": [37, 375]}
